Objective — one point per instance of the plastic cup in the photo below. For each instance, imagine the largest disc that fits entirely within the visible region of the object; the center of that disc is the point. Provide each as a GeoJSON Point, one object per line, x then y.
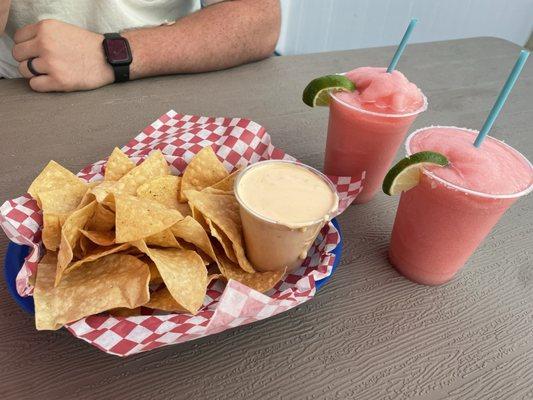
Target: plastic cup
{"type": "Point", "coordinates": [364, 141]}
{"type": "Point", "coordinates": [439, 225]}
{"type": "Point", "coordinates": [271, 245]}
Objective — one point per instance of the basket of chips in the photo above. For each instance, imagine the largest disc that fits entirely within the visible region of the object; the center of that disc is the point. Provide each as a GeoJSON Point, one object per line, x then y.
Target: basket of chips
{"type": "Point", "coordinates": [145, 249]}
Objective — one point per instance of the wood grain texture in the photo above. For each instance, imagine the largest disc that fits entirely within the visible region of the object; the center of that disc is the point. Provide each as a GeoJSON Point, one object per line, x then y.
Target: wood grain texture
{"type": "Point", "coordinates": [369, 334]}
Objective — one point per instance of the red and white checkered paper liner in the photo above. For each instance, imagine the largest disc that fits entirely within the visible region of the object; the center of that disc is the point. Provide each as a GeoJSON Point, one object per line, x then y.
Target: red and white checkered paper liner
{"type": "Point", "coordinates": [236, 141]}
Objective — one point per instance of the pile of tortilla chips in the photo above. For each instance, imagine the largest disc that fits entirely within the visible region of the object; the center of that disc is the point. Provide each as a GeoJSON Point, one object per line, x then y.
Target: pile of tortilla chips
{"type": "Point", "coordinates": [141, 237]}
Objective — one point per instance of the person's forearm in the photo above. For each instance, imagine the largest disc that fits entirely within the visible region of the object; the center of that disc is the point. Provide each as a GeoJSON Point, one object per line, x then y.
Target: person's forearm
{"type": "Point", "coordinates": [217, 37]}
{"type": "Point", "coordinates": [4, 12]}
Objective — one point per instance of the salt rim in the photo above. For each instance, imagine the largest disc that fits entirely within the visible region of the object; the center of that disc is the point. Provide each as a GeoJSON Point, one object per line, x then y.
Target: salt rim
{"type": "Point", "coordinates": [420, 110]}
{"type": "Point", "coordinates": [332, 213]}
{"type": "Point", "coordinates": [463, 189]}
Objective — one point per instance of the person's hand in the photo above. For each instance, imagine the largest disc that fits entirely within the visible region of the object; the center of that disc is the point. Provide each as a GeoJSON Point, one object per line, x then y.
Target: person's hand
{"type": "Point", "coordinates": [4, 12]}
{"type": "Point", "coordinates": [70, 58]}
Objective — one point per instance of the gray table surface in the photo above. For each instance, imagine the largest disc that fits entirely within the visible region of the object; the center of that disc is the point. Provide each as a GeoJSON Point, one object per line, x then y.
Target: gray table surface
{"type": "Point", "coordinates": [370, 333]}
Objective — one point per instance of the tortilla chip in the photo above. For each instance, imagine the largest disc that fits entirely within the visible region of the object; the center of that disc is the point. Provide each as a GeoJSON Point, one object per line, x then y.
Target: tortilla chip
{"type": "Point", "coordinates": [213, 277]}
{"type": "Point", "coordinates": [260, 281]}
{"type": "Point", "coordinates": [100, 238]}
{"type": "Point", "coordinates": [155, 276]}
{"type": "Point", "coordinates": [188, 246]}
{"type": "Point", "coordinates": [85, 246]}
{"type": "Point", "coordinates": [125, 312]}
{"type": "Point", "coordinates": [227, 184]}
{"type": "Point", "coordinates": [117, 280]}
{"type": "Point", "coordinates": [223, 211]}
{"type": "Point", "coordinates": [31, 279]}
{"type": "Point", "coordinates": [70, 234]}
{"type": "Point", "coordinates": [204, 170]}
{"type": "Point", "coordinates": [49, 257]}
{"type": "Point", "coordinates": [87, 198]}
{"type": "Point", "coordinates": [92, 184]}
{"type": "Point", "coordinates": [183, 273]}
{"type": "Point", "coordinates": [77, 251]}
{"type": "Point", "coordinates": [139, 218]}
{"type": "Point", "coordinates": [117, 165]}
{"type": "Point", "coordinates": [163, 239]}
{"type": "Point", "coordinates": [95, 254]}
{"type": "Point", "coordinates": [184, 209]}
{"type": "Point", "coordinates": [197, 215]}
{"type": "Point", "coordinates": [52, 177]}
{"type": "Point", "coordinates": [63, 200]}
{"type": "Point", "coordinates": [51, 234]}
{"type": "Point", "coordinates": [103, 219]}
{"type": "Point", "coordinates": [161, 299]}
{"type": "Point", "coordinates": [217, 191]}
{"type": "Point", "coordinates": [164, 190]}
{"type": "Point", "coordinates": [224, 241]}
{"type": "Point", "coordinates": [103, 190]}
{"type": "Point", "coordinates": [109, 203]}
{"type": "Point", "coordinates": [191, 231]}
{"type": "Point", "coordinates": [153, 167]}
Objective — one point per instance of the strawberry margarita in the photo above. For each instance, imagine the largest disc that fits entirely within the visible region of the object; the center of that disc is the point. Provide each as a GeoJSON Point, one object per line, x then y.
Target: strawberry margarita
{"type": "Point", "coordinates": [441, 221]}
{"type": "Point", "coordinates": [367, 126]}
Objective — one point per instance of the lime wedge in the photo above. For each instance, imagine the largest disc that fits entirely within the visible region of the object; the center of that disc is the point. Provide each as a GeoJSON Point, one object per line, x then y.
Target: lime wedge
{"type": "Point", "coordinates": [316, 93]}
{"type": "Point", "coordinates": [405, 174]}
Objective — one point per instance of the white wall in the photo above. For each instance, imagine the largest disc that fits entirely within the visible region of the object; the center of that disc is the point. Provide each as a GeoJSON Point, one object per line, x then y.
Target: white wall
{"type": "Point", "coordinates": [321, 25]}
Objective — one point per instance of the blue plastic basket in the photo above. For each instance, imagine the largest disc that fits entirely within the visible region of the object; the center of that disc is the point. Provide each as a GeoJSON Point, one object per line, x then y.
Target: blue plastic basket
{"type": "Point", "coordinates": [15, 256]}
{"type": "Point", "coordinates": [17, 253]}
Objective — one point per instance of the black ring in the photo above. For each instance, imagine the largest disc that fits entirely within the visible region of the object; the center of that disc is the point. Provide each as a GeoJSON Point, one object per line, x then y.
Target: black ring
{"type": "Point", "coordinates": [31, 68]}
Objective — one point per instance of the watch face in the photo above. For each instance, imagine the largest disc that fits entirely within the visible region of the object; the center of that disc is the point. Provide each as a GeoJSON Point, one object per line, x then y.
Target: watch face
{"type": "Point", "coordinates": [117, 50]}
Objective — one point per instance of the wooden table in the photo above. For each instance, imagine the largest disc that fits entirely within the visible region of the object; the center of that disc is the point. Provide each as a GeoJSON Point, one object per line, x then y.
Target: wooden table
{"type": "Point", "coordinates": [370, 333]}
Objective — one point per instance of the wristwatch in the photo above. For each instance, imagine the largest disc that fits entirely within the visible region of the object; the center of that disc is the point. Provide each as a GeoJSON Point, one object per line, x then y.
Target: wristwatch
{"type": "Point", "coordinates": [118, 54]}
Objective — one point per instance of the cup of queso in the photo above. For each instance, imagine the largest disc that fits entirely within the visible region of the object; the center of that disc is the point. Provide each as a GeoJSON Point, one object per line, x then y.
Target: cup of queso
{"type": "Point", "coordinates": [283, 207]}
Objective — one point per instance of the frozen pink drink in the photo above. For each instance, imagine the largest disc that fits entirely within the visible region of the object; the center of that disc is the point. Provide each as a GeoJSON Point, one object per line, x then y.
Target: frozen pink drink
{"type": "Point", "coordinates": [367, 126]}
{"type": "Point", "coordinates": [441, 221]}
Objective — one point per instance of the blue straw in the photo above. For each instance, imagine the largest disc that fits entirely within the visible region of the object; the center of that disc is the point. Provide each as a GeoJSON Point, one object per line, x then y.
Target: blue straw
{"type": "Point", "coordinates": [502, 97]}
{"type": "Point", "coordinates": [401, 46]}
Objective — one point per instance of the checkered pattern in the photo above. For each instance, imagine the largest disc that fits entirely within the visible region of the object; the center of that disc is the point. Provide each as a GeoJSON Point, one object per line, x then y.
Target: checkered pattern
{"type": "Point", "coordinates": [236, 142]}
{"type": "Point", "coordinates": [21, 220]}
